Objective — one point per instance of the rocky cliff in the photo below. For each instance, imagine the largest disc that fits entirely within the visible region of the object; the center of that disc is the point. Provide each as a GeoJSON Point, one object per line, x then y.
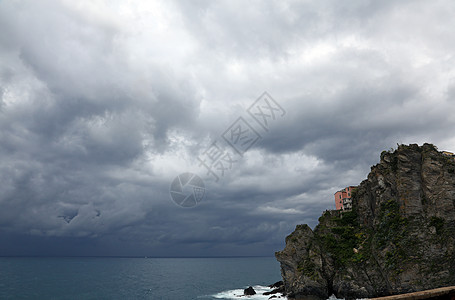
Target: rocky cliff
{"type": "Point", "coordinates": [399, 236]}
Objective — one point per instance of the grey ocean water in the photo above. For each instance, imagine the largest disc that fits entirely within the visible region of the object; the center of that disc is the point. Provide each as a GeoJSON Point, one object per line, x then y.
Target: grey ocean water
{"type": "Point", "coordinates": [134, 278]}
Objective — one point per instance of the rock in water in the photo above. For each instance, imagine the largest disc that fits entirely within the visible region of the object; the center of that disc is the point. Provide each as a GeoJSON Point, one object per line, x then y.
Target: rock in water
{"type": "Point", "coordinates": [278, 287]}
{"type": "Point", "coordinates": [275, 291]}
{"type": "Point", "coordinates": [249, 291]}
{"type": "Point", "coordinates": [398, 238]}
{"type": "Point", "coordinates": [276, 284]}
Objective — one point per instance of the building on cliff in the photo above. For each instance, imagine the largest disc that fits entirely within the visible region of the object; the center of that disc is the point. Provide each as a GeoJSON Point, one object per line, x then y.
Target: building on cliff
{"type": "Point", "coordinates": [343, 199]}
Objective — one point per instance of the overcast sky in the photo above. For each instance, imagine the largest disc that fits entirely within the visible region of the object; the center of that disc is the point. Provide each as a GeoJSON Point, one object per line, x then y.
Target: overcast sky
{"type": "Point", "coordinates": [104, 103]}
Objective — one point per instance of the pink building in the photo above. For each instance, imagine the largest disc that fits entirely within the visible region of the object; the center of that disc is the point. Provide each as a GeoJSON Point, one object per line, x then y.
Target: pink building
{"type": "Point", "coordinates": [343, 198]}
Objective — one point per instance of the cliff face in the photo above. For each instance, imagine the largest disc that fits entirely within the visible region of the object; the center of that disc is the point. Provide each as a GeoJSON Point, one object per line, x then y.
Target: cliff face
{"type": "Point", "coordinates": [399, 236]}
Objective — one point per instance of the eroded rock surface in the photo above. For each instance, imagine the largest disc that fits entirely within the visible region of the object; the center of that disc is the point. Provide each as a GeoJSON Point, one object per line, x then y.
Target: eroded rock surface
{"type": "Point", "coordinates": [399, 237]}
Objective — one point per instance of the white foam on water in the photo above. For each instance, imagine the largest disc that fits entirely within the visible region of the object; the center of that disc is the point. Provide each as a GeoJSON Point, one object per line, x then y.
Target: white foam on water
{"type": "Point", "coordinates": [238, 294]}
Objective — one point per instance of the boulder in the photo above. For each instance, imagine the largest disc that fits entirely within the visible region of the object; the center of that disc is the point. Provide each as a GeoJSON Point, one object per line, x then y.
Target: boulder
{"type": "Point", "coordinates": [249, 291]}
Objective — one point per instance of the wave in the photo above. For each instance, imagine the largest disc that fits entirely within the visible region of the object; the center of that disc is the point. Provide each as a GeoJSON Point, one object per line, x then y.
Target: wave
{"type": "Point", "coordinates": [238, 294]}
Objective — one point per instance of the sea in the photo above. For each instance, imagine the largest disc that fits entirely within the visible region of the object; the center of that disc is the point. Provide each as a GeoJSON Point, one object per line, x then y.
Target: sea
{"type": "Point", "coordinates": [136, 278]}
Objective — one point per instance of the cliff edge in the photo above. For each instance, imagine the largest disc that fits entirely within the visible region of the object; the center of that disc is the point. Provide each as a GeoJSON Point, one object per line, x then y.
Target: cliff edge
{"type": "Point", "coordinates": [398, 238]}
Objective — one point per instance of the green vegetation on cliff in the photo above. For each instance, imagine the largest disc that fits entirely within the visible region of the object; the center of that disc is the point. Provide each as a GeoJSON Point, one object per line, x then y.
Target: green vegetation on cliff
{"type": "Point", "coordinates": [399, 236]}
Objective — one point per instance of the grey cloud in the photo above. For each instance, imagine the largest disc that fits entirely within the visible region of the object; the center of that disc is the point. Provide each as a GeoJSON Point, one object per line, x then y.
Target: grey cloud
{"type": "Point", "coordinates": [100, 109]}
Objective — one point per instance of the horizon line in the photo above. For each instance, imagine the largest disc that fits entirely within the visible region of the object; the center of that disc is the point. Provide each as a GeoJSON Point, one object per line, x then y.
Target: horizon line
{"type": "Point", "coordinates": [127, 256]}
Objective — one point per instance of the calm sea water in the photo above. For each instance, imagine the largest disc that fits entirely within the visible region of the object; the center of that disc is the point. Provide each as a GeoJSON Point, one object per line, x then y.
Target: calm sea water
{"type": "Point", "coordinates": [134, 278]}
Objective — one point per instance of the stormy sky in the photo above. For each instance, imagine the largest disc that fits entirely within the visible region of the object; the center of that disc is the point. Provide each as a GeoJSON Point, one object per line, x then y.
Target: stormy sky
{"type": "Point", "coordinates": [104, 103]}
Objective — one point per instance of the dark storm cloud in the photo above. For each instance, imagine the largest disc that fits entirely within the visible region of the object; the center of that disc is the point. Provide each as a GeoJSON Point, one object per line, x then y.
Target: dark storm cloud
{"type": "Point", "coordinates": [103, 104]}
{"type": "Point", "coordinates": [74, 130]}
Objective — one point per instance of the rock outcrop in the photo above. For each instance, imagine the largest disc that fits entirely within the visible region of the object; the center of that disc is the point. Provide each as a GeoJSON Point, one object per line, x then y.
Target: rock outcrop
{"type": "Point", "coordinates": [278, 288]}
{"type": "Point", "coordinates": [249, 291]}
{"type": "Point", "coordinates": [398, 238]}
